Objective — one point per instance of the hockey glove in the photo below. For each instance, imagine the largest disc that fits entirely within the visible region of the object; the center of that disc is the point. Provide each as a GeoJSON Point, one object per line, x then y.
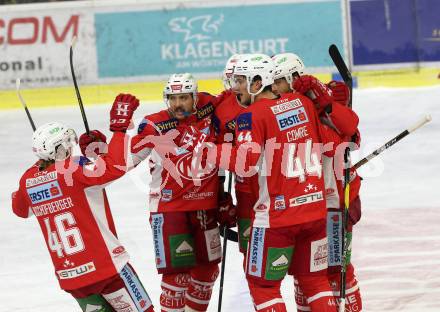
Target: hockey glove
{"type": "Point", "coordinates": [86, 139]}
{"type": "Point", "coordinates": [318, 92]}
{"type": "Point", "coordinates": [227, 212]}
{"type": "Point", "coordinates": [122, 112]}
{"type": "Point", "coordinates": [340, 91]}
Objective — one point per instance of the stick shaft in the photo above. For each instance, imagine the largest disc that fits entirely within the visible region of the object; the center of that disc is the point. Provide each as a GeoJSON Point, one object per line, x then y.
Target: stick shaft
{"type": "Point", "coordinates": [78, 95]}
{"type": "Point", "coordinates": [393, 141]}
{"type": "Point", "coordinates": [225, 243]}
{"type": "Point", "coordinates": [24, 105]}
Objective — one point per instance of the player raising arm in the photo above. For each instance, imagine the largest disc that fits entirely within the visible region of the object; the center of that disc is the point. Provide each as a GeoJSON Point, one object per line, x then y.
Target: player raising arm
{"type": "Point", "coordinates": [67, 198]}
{"type": "Point", "coordinates": [333, 111]}
{"type": "Point", "coordinates": [183, 198]}
{"type": "Point", "coordinates": [278, 145]}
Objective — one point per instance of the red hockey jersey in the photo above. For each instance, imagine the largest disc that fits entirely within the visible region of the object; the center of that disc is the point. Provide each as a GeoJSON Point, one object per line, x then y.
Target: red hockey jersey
{"type": "Point", "coordinates": [345, 122]}
{"type": "Point", "coordinates": [69, 202]}
{"type": "Point", "coordinates": [224, 120]}
{"type": "Point", "coordinates": [179, 182]}
{"type": "Point", "coordinates": [280, 139]}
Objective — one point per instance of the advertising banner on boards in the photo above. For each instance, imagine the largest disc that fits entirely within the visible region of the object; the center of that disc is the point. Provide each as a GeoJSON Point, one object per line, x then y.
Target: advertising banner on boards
{"type": "Point", "coordinates": [120, 43]}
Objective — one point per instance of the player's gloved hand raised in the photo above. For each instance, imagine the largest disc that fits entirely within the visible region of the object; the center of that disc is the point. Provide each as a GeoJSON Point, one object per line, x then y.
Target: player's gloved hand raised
{"type": "Point", "coordinates": [86, 139]}
{"type": "Point", "coordinates": [122, 112]}
{"type": "Point", "coordinates": [318, 92]}
{"type": "Point", "coordinates": [340, 92]}
{"type": "Point", "coordinates": [227, 212]}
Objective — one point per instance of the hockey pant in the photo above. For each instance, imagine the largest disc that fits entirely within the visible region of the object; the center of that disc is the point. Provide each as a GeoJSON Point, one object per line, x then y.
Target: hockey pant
{"type": "Point", "coordinates": [353, 299]}
{"type": "Point", "coordinates": [245, 205]}
{"type": "Point", "coordinates": [188, 250]}
{"type": "Point", "coordinates": [120, 293]}
{"type": "Point", "coordinates": [271, 253]}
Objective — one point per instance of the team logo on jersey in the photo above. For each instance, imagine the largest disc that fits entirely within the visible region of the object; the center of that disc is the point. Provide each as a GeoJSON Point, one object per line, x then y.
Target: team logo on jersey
{"type": "Point", "coordinates": [159, 248]}
{"type": "Point", "coordinates": [244, 121]}
{"type": "Point", "coordinates": [280, 204]}
{"type": "Point", "coordinates": [334, 236]}
{"type": "Point", "coordinates": [167, 195]}
{"type": "Point", "coordinates": [44, 192]}
{"type": "Point", "coordinates": [261, 208]}
{"type": "Point", "coordinates": [282, 107]}
{"type": "Point", "coordinates": [41, 178]}
{"type": "Point", "coordinates": [256, 252]}
{"type": "Point", "coordinates": [292, 118]}
{"type": "Point", "coordinates": [191, 168]}
{"type": "Point", "coordinates": [306, 199]}
{"type": "Point", "coordinates": [318, 255]}
{"type": "Point", "coordinates": [77, 271]}
{"type": "Point", "coordinates": [118, 251]}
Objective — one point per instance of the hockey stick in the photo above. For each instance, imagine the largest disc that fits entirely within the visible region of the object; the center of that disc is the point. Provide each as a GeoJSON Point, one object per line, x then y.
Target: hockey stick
{"type": "Point", "coordinates": [397, 138]}
{"type": "Point", "coordinates": [342, 69]}
{"type": "Point", "coordinates": [78, 95]}
{"type": "Point", "coordinates": [348, 79]}
{"type": "Point", "coordinates": [225, 243]}
{"type": "Point", "coordinates": [17, 85]}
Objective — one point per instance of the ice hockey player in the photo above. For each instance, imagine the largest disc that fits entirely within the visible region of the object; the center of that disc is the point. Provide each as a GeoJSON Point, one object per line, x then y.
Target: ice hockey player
{"type": "Point", "coordinates": [289, 77]}
{"type": "Point", "coordinates": [68, 200]}
{"type": "Point", "coordinates": [224, 118]}
{"type": "Point", "coordinates": [183, 199]}
{"type": "Point", "coordinates": [286, 174]}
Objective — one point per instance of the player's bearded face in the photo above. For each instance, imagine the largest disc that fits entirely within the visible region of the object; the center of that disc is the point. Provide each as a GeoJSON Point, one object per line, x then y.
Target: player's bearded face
{"type": "Point", "coordinates": [240, 89]}
{"type": "Point", "coordinates": [181, 105]}
{"type": "Point", "coordinates": [281, 86]}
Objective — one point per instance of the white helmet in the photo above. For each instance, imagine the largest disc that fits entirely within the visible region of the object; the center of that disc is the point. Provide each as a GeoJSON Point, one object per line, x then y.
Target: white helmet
{"type": "Point", "coordinates": [252, 65]}
{"type": "Point", "coordinates": [228, 72]}
{"type": "Point", "coordinates": [287, 64]}
{"type": "Point", "coordinates": [53, 141]}
{"type": "Point", "coordinates": [179, 84]}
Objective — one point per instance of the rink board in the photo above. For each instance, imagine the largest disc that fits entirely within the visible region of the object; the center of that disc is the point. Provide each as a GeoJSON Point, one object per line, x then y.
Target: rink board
{"type": "Point", "coordinates": [152, 91]}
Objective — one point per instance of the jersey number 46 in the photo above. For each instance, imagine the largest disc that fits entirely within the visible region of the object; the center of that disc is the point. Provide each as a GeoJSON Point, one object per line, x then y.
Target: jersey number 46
{"type": "Point", "coordinates": [64, 241]}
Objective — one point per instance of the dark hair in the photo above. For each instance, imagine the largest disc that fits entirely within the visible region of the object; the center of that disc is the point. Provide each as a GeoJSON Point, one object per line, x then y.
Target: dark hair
{"type": "Point", "coordinates": [266, 88]}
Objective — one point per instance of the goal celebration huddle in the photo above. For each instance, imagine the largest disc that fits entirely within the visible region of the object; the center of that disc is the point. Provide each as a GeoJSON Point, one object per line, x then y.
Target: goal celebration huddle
{"type": "Point", "coordinates": [283, 135]}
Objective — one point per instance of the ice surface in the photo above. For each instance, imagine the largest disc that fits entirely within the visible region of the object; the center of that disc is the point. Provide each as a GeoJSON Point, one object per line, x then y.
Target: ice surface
{"type": "Point", "coordinates": [396, 245]}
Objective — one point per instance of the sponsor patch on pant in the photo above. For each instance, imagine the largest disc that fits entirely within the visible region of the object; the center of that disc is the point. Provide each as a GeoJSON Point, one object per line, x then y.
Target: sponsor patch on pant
{"type": "Point", "coordinates": [277, 263]}
{"type": "Point", "coordinates": [135, 289]}
{"type": "Point", "coordinates": [213, 245]}
{"type": "Point", "coordinates": [244, 232]}
{"type": "Point", "coordinates": [159, 250]}
{"type": "Point", "coordinates": [182, 250]}
{"type": "Point", "coordinates": [334, 236]}
{"type": "Point", "coordinates": [256, 251]}
{"type": "Point", "coordinates": [318, 255]}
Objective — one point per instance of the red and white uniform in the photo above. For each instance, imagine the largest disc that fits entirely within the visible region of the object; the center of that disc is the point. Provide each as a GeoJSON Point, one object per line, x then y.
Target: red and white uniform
{"type": "Point", "coordinates": [69, 202]}
{"type": "Point", "coordinates": [224, 120]}
{"type": "Point", "coordinates": [183, 201]}
{"type": "Point", "coordinates": [286, 129]}
{"type": "Point", "coordinates": [177, 183]}
{"type": "Point", "coordinates": [344, 121]}
{"type": "Point", "coordinates": [282, 137]}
